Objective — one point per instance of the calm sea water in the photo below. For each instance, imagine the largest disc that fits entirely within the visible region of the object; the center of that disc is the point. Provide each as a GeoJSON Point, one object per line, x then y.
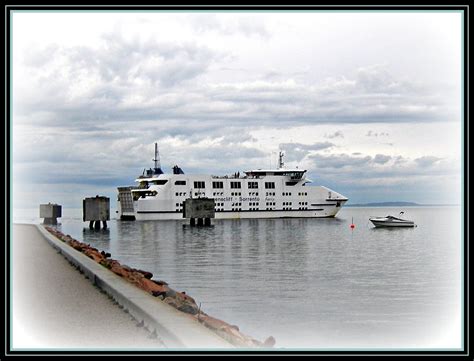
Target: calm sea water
{"type": "Point", "coordinates": [310, 283]}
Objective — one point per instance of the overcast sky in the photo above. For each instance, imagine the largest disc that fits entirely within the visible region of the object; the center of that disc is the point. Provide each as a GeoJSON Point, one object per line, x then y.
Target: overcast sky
{"type": "Point", "coordinates": [370, 103]}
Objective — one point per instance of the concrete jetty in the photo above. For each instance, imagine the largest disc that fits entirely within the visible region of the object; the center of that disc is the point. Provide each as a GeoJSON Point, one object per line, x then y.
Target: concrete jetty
{"type": "Point", "coordinates": [55, 307]}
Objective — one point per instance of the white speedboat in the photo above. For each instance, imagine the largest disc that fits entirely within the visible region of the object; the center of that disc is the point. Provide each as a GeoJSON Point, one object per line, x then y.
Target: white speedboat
{"type": "Point", "coordinates": [257, 193]}
{"type": "Point", "coordinates": [391, 221]}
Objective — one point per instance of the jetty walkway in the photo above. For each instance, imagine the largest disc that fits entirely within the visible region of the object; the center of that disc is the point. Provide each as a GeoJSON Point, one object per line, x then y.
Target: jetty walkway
{"type": "Point", "coordinates": [55, 307]}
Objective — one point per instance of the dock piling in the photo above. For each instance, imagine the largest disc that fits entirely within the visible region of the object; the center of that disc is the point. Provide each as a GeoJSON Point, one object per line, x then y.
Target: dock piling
{"type": "Point", "coordinates": [50, 212]}
{"type": "Point", "coordinates": [95, 210]}
{"type": "Point", "coordinates": [202, 209]}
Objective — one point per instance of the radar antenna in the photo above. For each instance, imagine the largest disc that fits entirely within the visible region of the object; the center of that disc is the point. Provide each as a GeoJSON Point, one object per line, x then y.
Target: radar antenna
{"type": "Point", "coordinates": [280, 160]}
{"type": "Point", "coordinates": [157, 169]}
{"type": "Point", "coordinates": [157, 157]}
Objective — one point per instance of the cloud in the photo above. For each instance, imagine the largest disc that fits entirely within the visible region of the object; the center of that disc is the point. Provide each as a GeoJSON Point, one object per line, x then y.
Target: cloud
{"type": "Point", "coordinates": [297, 151]}
{"type": "Point", "coordinates": [336, 134]}
{"type": "Point", "coordinates": [309, 147]}
{"type": "Point", "coordinates": [94, 110]}
{"type": "Point", "coordinates": [376, 79]}
{"type": "Point", "coordinates": [136, 80]}
{"type": "Point", "coordinates": [246, 25]}
{"type": "Point", "coordinates": [113, 78]}
{"type": "Point", "coordinates": [382, 159]}
{"type": "Point", "coordinates": [338, 161]}
{"type": "Point", "coordinates": [385, 177]}
{"type": "Point", "coordinates": [427, 161]}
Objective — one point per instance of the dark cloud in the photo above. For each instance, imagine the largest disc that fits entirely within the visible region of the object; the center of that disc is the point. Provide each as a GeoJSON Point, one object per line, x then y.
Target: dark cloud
{"type": "Point", "coordinates": [156, 84]}
{"type": "Point", "coordinates": [110, 80]}
{"type": "Point", "coordinates": [382, 159]}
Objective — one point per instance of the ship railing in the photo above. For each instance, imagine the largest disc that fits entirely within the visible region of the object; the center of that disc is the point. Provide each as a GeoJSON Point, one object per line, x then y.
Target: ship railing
{"type": "Point", "coordinates": [230, 177]}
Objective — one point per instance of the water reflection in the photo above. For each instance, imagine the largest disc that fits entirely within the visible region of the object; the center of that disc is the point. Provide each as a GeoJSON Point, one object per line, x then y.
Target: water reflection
{"type": "Point", "coordinates": [308, 282]}
{"type": "Point", "coordinates": [100, 238]}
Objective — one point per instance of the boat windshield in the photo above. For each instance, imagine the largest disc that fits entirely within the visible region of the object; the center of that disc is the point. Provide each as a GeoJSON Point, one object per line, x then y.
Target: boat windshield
{"type": "Point", "coordinates": [395, 218]}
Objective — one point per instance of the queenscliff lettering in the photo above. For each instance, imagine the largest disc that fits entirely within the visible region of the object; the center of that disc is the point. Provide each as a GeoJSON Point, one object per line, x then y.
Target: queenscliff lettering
{"type": "Point", "coordinates": [224, 199]}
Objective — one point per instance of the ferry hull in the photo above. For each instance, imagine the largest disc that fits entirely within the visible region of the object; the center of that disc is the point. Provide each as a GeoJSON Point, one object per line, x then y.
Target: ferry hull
{"type": "Point", "coordinates": [326, 212]}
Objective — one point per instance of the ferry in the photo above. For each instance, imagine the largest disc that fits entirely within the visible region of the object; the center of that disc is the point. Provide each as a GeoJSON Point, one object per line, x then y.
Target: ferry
{"type": "Point", "coordinates": [257, 193]}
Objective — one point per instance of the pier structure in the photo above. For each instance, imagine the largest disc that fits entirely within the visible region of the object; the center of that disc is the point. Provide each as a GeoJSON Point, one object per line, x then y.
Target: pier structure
{"type": "Point", "coordinates": [95, 210]}
{"type": "Point", "coordinates": [50, 212]}
{"type": "Point", "coordinates": [199, 210]}
{"type": "Point", "coordinates": [75, 314]}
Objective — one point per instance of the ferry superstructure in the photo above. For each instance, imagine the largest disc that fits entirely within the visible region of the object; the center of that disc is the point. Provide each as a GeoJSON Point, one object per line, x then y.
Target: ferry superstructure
{"type": "Point", "coordinates": [258, 193]}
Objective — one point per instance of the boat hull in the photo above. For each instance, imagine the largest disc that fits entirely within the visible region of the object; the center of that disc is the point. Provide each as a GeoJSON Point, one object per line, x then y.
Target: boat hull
{"type": "Point", "coordinates": [392, 224]}
{"type": "Point", "coordinates": [326, 212]}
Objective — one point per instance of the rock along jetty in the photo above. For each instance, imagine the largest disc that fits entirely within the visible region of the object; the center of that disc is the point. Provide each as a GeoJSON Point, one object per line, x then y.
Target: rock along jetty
{"type": "Point", "coordinates": [160, 289]}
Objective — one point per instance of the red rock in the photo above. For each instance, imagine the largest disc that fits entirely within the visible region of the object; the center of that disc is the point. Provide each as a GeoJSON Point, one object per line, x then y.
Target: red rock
{"type": "Point", "coordinates": [119, 270]}
{"type": "Point", "coordinates": [151, 286]}
{"type": "Point", "coordinates": [96, 256]}
{"type": "Point", "coordinates": [146, 274]}
{"type": "Point", "coordinates": [183, 296]}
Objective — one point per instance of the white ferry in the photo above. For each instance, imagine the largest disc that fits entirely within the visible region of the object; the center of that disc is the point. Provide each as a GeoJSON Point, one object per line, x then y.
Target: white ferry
{"type": "Point", "coordinates": [258, 193]}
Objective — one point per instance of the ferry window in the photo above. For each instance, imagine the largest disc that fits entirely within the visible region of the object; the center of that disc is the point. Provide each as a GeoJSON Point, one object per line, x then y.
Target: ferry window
{"type": "Point", "coordinates": [217, 184]}
{"type": "Point", "coordinates": [180, 183]}
{"type": "Point", "coordinates": [199, 184]}
{"type": "Point", "coordinates": [269, 185]}
{"type": "Point", "coordinates": [160, 182]}
{"type": "Point", "coordinates": [253, 185]}
{"type": "Point", "coordinates": [235, 185]}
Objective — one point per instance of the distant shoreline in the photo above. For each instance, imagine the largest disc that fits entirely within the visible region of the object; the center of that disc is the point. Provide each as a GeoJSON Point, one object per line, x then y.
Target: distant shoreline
{"type": "Point", "coordinates": [398, 204]}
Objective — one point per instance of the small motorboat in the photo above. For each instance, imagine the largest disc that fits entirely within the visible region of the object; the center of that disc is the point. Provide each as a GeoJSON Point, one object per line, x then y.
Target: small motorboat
{"type": "Point", "coordinates": [391, 221]}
